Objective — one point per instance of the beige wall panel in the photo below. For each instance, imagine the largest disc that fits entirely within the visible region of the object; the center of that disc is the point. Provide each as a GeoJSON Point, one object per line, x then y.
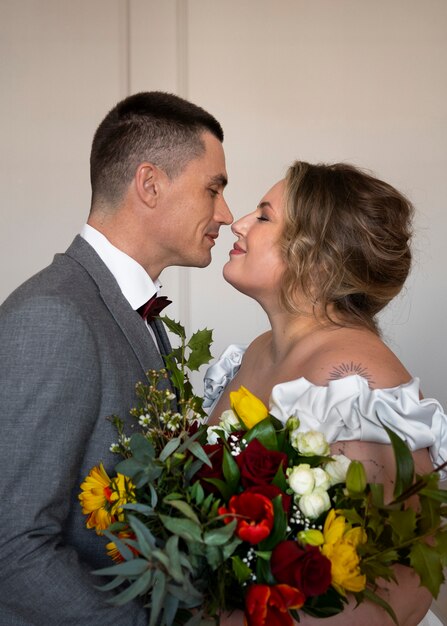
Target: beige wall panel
{"type": "Point", "coordinates": [362, 82]}
{"type": "Point", "coordinates": [63, 66]}
{"type": "Point", "coordinates": [157, 62]}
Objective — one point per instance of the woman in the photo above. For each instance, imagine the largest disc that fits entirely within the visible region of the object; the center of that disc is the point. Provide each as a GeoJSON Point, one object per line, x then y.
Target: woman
{"type": "Point", "coordinates": [325, 250]}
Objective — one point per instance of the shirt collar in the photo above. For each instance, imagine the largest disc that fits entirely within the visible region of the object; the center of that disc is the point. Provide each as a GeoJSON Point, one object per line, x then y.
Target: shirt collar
{"type": "Point", "coordinates": [133, 280]}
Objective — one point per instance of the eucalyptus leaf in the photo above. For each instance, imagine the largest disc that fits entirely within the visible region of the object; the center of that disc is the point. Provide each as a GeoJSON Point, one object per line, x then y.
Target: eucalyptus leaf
{"type": "Point", "coordinates": [172, 550]}
{"type": "Point", "coordinates": [197, 493]}
{"type": "Point", "coordinates": [162, 558]}
{"type": "Point", "coordinates": [141, 448]}
{"type": "Point", "coordinates": [113, 584]}
{"type": "Point", "coordinates": [196, 449]}
{"type": "Point", "coordinates": [145, 538]}
{"type": "Point", "coordinates": [220, 536]}
{"type": "Point", "coordinates": [157, 596]}
{"type": "Point", "coordinates": [138, 588]}
{"type": "Point", "coordinates": [135, 567]}
{"type": "Point", "coordinates": [122, 548]}
{"type": "Point", "coordinates": [186, 509]}
{"type": "Point", "coordinates": [213, 556]}
{"type": "Point", "coordinates": [144, 509]}
{"type": "Point", "coordinates": [184, 528]}
{"type": "Point", "coordinates": [169, 448]}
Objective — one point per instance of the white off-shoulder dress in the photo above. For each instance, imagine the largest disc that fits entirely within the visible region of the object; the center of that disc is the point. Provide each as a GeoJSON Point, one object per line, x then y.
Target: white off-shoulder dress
{"type": "Point", "coordinates": [347, 410]}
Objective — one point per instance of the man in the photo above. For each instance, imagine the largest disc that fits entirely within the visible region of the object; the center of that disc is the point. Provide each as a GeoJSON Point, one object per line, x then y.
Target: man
{"type": "Point", "coordinates": [72, 346]}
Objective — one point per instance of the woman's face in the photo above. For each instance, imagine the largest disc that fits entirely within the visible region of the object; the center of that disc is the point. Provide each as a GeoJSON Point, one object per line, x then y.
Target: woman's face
{"type": "Point", "coordinates": [256, 265]}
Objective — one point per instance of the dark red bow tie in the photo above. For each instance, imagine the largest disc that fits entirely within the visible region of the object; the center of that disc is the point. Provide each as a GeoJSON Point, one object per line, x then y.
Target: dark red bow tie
{"type": "Point", "coordinates": [153, 307]}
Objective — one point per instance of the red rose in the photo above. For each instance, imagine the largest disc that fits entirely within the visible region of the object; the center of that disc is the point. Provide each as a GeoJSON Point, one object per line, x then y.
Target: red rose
{"type": "Point", "coordinates": [304, 568]}
{"type": "Point", "coordinates": [254, 516]}
{"type": "Point", "coordinates": [271, 491]}
{"type": "Point", "coordinates": [258, 465]}
{"type": "Point", "coordinates": [215, 453]}
{"type": "Point", "coordinates": [269, 605]}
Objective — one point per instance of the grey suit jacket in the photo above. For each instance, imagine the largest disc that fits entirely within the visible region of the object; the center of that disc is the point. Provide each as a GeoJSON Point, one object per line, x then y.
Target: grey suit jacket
{"type": "Point", "coordinates": [71, 351]}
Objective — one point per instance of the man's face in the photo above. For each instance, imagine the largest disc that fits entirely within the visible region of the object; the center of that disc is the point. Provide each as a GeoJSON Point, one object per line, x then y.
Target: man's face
{"type": "Point", "coordinates": [195, 209]}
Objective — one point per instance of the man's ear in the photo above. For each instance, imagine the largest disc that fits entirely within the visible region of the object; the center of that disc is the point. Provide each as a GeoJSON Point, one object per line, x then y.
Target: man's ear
{"type": "Point", "coordinates": [147, 183]}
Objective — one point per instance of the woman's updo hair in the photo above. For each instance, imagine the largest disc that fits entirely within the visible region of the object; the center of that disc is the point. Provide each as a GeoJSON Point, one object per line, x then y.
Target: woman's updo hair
{"type": "Point", "coordinates": [345, 242]}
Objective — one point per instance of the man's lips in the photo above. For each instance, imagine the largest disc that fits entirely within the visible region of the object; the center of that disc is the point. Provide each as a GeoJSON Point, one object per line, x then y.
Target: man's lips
{"type": "Point", "coordinates": [237, 250]}
{"type": "Point", "coordinates": [212, 236]}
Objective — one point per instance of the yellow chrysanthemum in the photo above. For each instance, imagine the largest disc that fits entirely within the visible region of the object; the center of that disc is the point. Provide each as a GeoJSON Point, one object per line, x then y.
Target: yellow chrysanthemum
{"type": "Point", "coordinates": [102, 498]}
{"type": "Point", "coordinates": [340, 547]}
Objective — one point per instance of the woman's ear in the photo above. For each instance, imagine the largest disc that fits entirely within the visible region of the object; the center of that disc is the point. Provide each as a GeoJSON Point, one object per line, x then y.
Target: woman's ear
{"type": "Point", "coordinates": [147, 183]}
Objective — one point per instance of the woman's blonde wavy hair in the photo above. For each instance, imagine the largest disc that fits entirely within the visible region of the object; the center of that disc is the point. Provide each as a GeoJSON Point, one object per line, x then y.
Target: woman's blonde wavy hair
{"type": "Point", "coordinates": [345, 242]}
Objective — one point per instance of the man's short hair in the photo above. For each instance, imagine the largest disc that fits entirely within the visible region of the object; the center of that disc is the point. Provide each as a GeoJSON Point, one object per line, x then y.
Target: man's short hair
{"type": "Point", "coordinates": [156, 127]}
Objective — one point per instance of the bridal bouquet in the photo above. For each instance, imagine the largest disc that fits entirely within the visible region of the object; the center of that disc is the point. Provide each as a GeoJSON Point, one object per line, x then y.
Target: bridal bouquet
{"type": "Point", "coordinates": [251, 514]}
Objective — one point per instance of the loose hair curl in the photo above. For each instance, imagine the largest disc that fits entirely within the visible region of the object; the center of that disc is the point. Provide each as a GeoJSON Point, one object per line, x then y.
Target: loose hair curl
{"type": "Point", "coordinates": [345, 242]}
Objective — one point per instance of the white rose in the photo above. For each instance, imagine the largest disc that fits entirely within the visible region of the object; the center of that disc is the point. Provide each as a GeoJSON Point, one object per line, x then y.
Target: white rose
{"type": "Point", "coordinates": [301, 479]}
{"type": "Point", "coordinates": [309, 443]}
{"type": "Point", "coordinates": [312, 505]}
{"type": "Point", "coordinates": [321, 478]}
{"type": "Point", "coordinates": [336, 469]}
{"type": "Point", "coordinates": [213, 434]}
{"type": "Point", "coordinates": [229, 419]}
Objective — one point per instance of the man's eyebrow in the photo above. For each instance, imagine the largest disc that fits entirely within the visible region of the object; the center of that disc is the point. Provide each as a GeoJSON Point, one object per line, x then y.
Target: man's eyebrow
{"type": "Point", "coordinates": [219, 179]}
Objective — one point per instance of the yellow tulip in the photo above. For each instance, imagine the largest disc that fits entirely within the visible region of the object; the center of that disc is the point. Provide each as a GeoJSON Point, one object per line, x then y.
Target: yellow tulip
{"type": "Point", "coordinates": [248, 407]}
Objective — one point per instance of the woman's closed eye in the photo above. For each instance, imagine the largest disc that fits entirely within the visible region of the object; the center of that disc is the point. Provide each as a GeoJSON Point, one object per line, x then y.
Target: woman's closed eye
{"type": "Point", "coordinates": [262, 218]}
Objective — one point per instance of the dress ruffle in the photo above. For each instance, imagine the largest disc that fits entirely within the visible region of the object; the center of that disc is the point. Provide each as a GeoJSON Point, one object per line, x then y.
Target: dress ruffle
{"type": "Point", "coordinates": [347, 409]}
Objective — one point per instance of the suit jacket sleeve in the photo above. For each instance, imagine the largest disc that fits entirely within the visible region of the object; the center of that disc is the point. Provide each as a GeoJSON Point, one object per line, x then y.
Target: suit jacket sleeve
{"type": "Point", "coordinates": [49, 398]}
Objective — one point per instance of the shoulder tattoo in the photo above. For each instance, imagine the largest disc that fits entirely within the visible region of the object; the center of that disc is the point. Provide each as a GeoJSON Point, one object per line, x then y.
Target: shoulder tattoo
{"type": "Point", "coordinates": [348, 369]}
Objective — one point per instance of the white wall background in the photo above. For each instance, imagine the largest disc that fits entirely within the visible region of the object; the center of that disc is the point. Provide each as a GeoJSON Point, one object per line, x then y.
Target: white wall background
{"type": "Point", "coordinates": [363, 81]}
{"type": "Point", "coordinates": [356, 80]}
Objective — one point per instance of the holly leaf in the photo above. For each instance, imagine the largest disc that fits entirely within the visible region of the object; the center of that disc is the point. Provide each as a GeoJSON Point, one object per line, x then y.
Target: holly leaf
{"type": "Point", "coordinates": [199, 344]}
{"type": "Point", "coordinates": [175, 327]}
{"type": "Point", "coordinates": [240, 569]}
{"type": "Point", "coordinates": [426, 561]}
{"type": "Point", "coordinates": [441, 545]}
{"type": "Point", "coordinates": [403, 524]}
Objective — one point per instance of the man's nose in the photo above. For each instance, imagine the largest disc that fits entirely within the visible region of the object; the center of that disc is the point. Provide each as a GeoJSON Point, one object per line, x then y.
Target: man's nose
{"type": "Point", "coordinates": [223, 213]}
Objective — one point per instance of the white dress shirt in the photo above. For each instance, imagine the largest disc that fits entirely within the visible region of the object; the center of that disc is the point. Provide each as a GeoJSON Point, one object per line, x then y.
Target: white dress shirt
{"type": "Point", "coordinates": [133, 280]}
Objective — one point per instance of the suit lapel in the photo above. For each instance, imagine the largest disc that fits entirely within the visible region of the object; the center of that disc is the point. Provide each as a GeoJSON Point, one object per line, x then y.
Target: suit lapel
{"type": "Point", "coordinates": [128, 320]}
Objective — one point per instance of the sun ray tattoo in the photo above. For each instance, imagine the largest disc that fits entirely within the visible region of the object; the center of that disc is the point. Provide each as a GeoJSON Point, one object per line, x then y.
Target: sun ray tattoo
{"type": "Point", "coordinates": [349, 369]}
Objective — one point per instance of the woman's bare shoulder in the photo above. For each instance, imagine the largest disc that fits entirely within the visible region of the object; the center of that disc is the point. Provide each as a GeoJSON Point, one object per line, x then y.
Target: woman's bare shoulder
{"type": "Point", "coordinates": [257, 346]}
{"type": "Point", "coordinates": [356, 352]}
